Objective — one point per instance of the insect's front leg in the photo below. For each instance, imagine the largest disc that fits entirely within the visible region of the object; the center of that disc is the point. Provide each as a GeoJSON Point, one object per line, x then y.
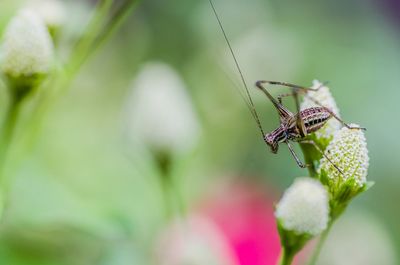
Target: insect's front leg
{"type": "Point", "coordinates": [299, 163]}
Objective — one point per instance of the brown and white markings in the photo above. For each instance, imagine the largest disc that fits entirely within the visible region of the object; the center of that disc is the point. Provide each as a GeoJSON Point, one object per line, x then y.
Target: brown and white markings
{"type": "Point", "coordinates": [293, 126]}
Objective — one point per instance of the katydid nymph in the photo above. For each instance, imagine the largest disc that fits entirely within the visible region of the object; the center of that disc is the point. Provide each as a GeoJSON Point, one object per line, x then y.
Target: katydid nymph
{"type": "Point", "coordinates": [294, 127]}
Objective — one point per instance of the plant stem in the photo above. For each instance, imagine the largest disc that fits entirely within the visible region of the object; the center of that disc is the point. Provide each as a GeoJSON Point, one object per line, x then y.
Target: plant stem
{"type": "Point", "coordinates": [118, 18]}
{"type": "Point", "coordinates": [164, 164]}
{"type": "Point", "coordinates": [286, 257]}
{"type": "Point", "coordinates": [171, 193]}
{"type": "Point", "coordinates": [320, 243]}
{"type": "Point", "coordinates": [9, 125]}
{"type": "Point", "coordinates": [307, 151]}
{"type": "Point", "coordinates": [8, 132]}
{"type": "Point", "coordinates": [92, 30]}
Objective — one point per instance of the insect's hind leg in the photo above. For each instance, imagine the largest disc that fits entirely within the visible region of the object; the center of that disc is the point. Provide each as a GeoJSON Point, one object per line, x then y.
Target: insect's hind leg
{"type": "Point", "coordinates": [322, 153]}
{"type": "Point", "coordinates": [345, 124]}
{"type": "Point", "coordinates": [296, 88]}
{"type": "Point", "coordinates": [335, 116]}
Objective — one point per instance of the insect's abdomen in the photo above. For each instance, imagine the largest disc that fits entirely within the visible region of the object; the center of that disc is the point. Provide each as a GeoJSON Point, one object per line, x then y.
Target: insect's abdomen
{"type": "Point", "coordinates": [314, 118]}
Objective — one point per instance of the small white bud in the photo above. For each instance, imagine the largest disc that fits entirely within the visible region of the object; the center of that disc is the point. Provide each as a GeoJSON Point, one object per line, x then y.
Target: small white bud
{"type": "Point", "coordinates": [27, 48]}
{"type": "Point", "coordinates": [325, 98]}
{"type": "Point", "coordinates": [51, 11]}
{"type": "Point", "coordinates": [160, 111]}
{"type": "Point", "coordinates": [304, 207]}
{"type": "Point", "coordinates": [348, 151]}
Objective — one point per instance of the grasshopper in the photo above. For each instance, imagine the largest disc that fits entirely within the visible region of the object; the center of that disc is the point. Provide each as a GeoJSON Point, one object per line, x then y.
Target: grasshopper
{"type": "Point", "coordinates": [294, 127]}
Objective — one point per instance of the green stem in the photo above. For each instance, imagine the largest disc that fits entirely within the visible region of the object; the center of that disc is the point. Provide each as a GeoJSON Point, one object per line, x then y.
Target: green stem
{"type": "Point", "coordinates": [119, 17]}
{"type": "Point", "coordinates": [9, 126]}
{"type": "Point", "coordinates": [100, 31]}
{"type": "Point", "coordinates": [307, 153]}
{"type": "Point", "coordinates": [320, 243]}
{"type": "Point", "coordinates": [93, 29]}
{"type": "Point", "coordinates": [286, 257]}
{"type": "Point", "coordinates": [165, 189]}
{"type": "Point", "coordinates": [171, 195]}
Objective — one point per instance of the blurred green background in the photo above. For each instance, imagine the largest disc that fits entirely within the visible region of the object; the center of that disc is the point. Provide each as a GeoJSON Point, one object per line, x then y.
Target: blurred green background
{"type": "Point", "coordinates": [87, 194]}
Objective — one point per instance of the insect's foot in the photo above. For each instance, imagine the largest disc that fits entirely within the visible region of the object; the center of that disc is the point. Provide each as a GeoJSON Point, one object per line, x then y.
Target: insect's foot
{"type": "Point", "coordinates": [305, 165]}
{"type": "Point", "coordinates": [357, 128]}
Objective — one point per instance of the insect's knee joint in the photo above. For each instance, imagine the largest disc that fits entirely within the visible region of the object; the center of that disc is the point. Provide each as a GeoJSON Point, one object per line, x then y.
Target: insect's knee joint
{"type": "Point", "coordinates": [259, 83]}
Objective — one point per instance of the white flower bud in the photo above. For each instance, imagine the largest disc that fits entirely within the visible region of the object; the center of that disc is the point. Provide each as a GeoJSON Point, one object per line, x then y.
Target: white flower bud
{"type": "Point", "coordinates": [51, 11]}
{"type": "Point", "coordinates": [304, 207]}
{"type": "Point", "coordinates": [325, 98]}
{"type": "Point", "coordinates": [348, 151]}
{"type": "Point", "coordinates": [27, 49]}
{"type": "Point", "coordinates": [160, 111]}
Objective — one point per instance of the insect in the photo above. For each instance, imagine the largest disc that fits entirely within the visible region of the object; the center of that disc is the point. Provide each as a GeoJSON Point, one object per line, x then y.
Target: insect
{"type": "Point", "coordinates": [294, 127]}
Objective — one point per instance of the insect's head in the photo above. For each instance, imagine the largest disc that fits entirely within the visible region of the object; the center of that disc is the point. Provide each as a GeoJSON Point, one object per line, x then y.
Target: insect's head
{"type": "Point", "coordinates": [270, 140]}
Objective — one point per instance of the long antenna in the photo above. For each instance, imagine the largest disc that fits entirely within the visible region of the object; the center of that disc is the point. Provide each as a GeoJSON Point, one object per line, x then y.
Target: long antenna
{"type": "Point", "coordinates": [250, 104]}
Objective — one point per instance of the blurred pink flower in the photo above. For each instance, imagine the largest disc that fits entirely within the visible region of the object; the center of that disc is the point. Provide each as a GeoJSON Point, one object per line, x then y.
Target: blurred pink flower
{"type": "Point", "coordinates": [193, 240]}
{"type": "Point", "coordinates": [244, 213]}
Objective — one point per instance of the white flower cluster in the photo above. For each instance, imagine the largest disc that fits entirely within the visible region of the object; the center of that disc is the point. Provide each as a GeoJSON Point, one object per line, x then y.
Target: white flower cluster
{"type": "Point", "coordinates": [304, 207]}
{"type": "Point", "coordinates": [324, 97]}
{"type": "Point", "coordinates": [27, 48]}
{"type": "Point", "coordinates": [348, 151]}
{"type": "Point", "coordinates": [53, 12]}
{"type": "Point", "coordinates": [160, 111]}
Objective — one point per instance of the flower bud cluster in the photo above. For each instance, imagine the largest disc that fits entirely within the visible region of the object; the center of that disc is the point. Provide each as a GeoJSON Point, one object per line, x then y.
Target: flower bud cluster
{"type": "Point", "coordinates": [27, 48]}
{"type": "Point", "coordinates": [160, 111]}
{"type": "Point", "coordinates": [304, 207]}
{"type": "Point", "coordinates": [348, 151]}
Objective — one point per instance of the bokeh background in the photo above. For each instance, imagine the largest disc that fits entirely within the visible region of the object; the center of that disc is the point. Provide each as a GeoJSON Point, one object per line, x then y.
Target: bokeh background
{"type": "Point", "coordinates": [91, 190]}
